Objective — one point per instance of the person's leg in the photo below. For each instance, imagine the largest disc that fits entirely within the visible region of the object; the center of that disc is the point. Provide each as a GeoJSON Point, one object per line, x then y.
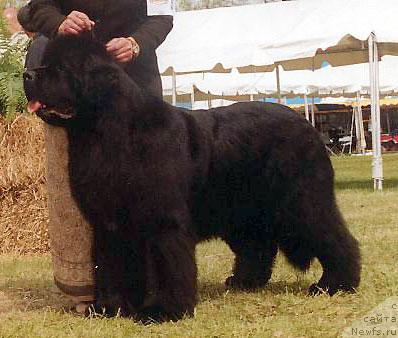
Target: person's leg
{"type": "Point", "coordinates": [33, 60]}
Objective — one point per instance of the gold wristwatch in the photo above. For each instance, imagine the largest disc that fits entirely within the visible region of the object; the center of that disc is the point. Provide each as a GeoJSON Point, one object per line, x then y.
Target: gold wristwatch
{"type": "Point", "coordinates": [135, 47]}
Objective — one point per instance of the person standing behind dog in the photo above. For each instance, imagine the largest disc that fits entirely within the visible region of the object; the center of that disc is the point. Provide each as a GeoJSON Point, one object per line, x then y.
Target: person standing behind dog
{"type": "Point", "coordinates": [131, 30]}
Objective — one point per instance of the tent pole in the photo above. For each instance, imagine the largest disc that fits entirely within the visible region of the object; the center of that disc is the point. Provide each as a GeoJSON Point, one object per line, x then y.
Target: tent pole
{"type": "Point", "coordinates": [352, 128]}
{"type": "Point", "coordinates": [361, 142]}
{"type": "Point", "coordinates": [307, 114]}
{"type": "Point", "coordinates": [313, 112]}
{"type": "Point", "coordinates": [174, 88]}
{"type": "Point", "coordinates": [355, 110]}
{"type": "Point", "coordinates": [278, 83]}
{"type": "Point", "coordinates": [377, 163]}
{"type": "Point", "coordinates": [388, 122]}
{"type": "Point", "coordinates": [192, 97]}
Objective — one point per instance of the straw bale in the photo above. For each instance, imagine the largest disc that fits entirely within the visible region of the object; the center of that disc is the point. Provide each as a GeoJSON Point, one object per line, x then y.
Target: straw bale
{"type": "Point", "coordinates": [23, 197]}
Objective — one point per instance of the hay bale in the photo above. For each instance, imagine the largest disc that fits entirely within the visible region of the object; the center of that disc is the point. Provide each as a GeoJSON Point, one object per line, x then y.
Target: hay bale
{"type": "Point", "coordinates": [23, 198]}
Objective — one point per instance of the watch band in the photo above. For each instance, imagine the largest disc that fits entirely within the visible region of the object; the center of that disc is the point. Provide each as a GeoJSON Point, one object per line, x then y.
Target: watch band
{"type": "Point", "coordinates": [134, 46]}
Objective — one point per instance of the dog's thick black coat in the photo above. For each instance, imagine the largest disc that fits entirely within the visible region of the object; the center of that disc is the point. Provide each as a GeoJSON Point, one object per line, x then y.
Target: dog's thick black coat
{"type": "Point", "coordinates": [154, 180]}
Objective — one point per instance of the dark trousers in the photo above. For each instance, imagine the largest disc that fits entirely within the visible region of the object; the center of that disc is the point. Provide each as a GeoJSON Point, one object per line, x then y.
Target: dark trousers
{"type": "Point", "coordinates": [33, 60]}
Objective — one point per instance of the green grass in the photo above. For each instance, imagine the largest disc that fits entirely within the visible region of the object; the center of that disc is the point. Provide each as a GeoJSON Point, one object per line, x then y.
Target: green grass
{"type": "Point", "coordinates": [30, 305]}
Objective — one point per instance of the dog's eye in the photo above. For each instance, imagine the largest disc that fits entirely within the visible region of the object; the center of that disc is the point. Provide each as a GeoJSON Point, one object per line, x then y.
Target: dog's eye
{"type": "Point", "coordinates": [47, 68]}
{"type": "Point", "coordinates": [62, 69]}
{"type": "Point", "coordinates": [40, 69]}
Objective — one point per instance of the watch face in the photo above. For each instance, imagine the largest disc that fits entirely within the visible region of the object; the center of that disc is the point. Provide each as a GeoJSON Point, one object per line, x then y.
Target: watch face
{"type": "Point", "coordinates": [134, 45]}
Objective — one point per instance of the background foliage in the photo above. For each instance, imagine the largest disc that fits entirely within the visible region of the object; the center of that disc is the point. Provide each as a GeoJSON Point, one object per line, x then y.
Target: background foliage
{"type": "Point", "coordinates": [12, 98]}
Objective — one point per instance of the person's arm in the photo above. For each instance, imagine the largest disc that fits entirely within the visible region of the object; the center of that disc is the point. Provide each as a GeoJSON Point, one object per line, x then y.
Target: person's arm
{"type": "Point", "coordinates": [148, 36]}
{"type": "Point", "coordinates": [45, 16]}
{"type": "Point", "coordinates": [152, 32]}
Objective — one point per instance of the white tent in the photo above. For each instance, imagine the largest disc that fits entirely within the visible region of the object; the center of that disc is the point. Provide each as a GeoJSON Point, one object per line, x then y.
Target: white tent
{"type": "Point", "coordinates": [236, 84]}
{"type": "Point", "coordinates": [344, 81]}
{"type": "Point", "coordinates": [349, 80]}
{"type": "Point", "coordinates": [336, 31]}
{"type": "Point", "coordinates": [223, 38]}
{"type": "Point", "coordinates": [297, 34]}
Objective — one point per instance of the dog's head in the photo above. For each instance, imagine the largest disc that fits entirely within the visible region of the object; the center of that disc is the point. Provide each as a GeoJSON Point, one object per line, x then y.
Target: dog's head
{"type": "Point", "coordinates": [76, 78]}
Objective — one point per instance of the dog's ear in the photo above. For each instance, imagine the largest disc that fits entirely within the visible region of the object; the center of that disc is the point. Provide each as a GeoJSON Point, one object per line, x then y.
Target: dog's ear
{"type": "Point", "coordinates": [100, 82]}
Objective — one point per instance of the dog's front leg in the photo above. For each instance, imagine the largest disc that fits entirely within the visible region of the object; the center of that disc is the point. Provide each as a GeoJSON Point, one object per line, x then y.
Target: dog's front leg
{"type": "Point", "coordinates": [112, 254]}
{"type": "Point", "coordinates": [171, 273]}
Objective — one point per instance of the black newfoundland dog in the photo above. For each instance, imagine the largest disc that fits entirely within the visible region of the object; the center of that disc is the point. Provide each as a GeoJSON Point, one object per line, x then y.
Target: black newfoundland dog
{"type": "Point", "coordinates": [154, 180]}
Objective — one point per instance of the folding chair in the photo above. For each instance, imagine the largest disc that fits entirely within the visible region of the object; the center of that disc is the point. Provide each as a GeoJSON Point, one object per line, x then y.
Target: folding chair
{"type": "Point", "coordinates": [345, 141]}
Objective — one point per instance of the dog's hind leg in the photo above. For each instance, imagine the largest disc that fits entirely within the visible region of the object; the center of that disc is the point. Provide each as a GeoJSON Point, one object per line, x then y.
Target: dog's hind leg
{"type": "Point", "coordinates": [322, 233]}
{"type": "Point", "coordinates": [254, 260]}
{"type": "Point", "coordinates": [309, 222]}
{"type": "Point", "coordinates": [338, 252]}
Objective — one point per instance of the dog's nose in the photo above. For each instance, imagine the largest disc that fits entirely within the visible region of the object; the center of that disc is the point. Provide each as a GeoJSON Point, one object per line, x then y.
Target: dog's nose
{"type": "Point", "coordinates": [29, 75]}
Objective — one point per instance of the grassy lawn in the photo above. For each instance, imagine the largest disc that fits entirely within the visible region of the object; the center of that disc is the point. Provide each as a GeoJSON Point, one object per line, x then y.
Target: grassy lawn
{"type": "Point", "coordinates": [30, 306]}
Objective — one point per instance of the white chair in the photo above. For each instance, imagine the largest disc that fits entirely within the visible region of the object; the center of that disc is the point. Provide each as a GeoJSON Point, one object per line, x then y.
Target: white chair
{"type": "Point", "coordinates": [345, 141]}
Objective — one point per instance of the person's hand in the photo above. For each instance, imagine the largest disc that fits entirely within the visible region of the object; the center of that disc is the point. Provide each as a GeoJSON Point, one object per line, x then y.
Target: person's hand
{"type": "Point", "coordinates": [75, 23]}
{"type": "Point", "coordinates": [121, 49]}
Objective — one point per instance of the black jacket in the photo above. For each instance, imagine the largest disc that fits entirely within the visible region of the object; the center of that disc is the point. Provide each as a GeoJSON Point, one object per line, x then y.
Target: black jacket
{"type": "Point", "coordinates": [116, 18]}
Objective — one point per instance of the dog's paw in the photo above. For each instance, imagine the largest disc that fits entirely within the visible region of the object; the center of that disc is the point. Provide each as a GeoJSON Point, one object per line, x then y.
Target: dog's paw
{"type": "Point", "coordinates": [112, 305]}
{"type": "Point", "coordinates": [315, 290]}
{"type": "Point", "coordinates": [157, 314]}
{"type": "Point", "coordinates": [234, 283]}
{"type": "Point", "coordinates": [319, 289]}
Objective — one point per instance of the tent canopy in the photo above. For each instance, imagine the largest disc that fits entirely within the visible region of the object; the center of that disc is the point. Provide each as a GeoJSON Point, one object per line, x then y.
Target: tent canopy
{"type": "Point", "coordinates": [298, 34]}
{"type": "Point", "coordinates": [328, 81]}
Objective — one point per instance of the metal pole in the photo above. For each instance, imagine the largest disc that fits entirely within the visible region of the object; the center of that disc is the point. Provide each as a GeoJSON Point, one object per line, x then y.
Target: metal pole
{"type": "Point", "coordinates": [307, 115]}
{"type": "Point", "coordinates": [352, 129]}
{"type": "Point", "coordinates": [192, 97]}
{"type": "Point", "coordinates": [362, 140]}
{"type": "Point", "coordinates": [377, 163]}
{"type": "Point", "coordinates": [278, 83]}
{"type": "Point", "coordinates": [173, 88]}
{"type": "Point", "coordinates": [355, 111]}
{"type": "Point", "coordinates": [313, 112]}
